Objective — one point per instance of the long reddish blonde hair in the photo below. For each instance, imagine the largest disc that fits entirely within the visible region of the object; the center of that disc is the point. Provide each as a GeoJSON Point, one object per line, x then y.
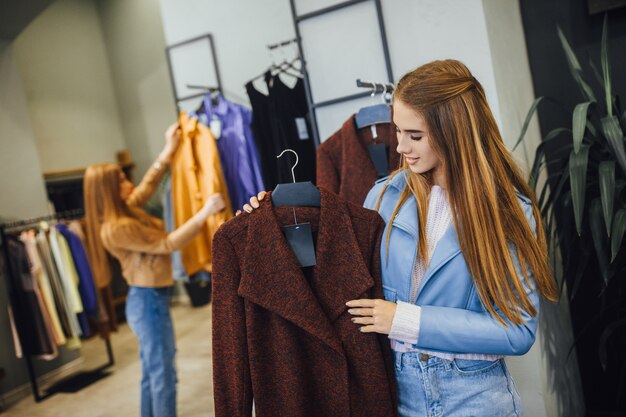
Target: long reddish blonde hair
{"type": "Point", "coordinates": [482, 181]}
{"type": "Point", "coordinates": [103, 203]}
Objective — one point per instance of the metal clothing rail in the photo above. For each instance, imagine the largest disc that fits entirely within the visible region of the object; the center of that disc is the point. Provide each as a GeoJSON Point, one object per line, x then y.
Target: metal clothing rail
{"type": "Point", "coordinates": [281, 44]}
{"type": "Point", "coordinates": [84, 378]}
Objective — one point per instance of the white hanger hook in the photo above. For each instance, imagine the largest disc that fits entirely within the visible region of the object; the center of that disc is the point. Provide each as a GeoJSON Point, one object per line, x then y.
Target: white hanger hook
{"type": "Point", "coordinates": [293, 175]}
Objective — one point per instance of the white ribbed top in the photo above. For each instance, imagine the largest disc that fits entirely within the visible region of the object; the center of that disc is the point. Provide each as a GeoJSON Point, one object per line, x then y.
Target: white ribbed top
{"type": "Point", "coordinates": [406, 322]}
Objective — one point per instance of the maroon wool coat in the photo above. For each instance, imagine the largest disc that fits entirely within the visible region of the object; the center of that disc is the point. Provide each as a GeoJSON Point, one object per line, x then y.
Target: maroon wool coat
{"type": "Point", "coordinates": [343, 162]}
{"type": "Point", "coordinates": [286, 341]}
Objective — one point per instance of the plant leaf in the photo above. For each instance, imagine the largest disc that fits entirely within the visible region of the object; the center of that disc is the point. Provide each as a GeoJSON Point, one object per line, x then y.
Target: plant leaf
{"type": "Point", "coordinates": [578, 183]}
{"type": "Point", "coordinates": [597, 234]}
{"type": "Point", "coordinates": [540, 153]}
{"type": "Point", "coordinates": [615, 139]}
{"type": "Point", "coordinates": [579, 121]}
{"type": "Point", "coordinates": [606, 69]}
{"type": "Point", "coordinates": [595, 71]}
{"type": "Point", "coordinates": [591, 129]}
{"type": "Point", "coordinates": [619, 226]}
{"type": "Point", "coordinates": [575, 67]}
{"type": "Point", "coordinates": [581, 265]}
{"type": "Point", "coordinates": [604, 337]}
{"type": "Point", "coordinates": [606, 173]}
{"type": "Point", "coordinates": [529, 116]}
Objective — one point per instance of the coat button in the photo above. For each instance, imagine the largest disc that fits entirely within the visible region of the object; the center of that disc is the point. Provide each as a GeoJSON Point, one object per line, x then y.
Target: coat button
{"type": "Point", "coordinates": [425, 357]}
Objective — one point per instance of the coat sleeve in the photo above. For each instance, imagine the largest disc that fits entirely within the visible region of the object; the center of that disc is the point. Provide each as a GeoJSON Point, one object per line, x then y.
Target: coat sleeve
{"type": "Point", "coordinates": [327, 175]}
{"type": "Point", "coordinates": [232, 388]}
{"type": "Point", "coordinates": [464, 331]}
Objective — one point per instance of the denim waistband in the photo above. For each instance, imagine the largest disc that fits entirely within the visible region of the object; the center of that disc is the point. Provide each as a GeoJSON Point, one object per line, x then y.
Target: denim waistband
{"type": "Point", "coordinates": [419, 360]}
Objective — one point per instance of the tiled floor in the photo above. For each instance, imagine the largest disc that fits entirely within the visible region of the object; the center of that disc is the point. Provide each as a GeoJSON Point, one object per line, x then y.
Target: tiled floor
{"type": "Point", "coordinates": [118, 394]}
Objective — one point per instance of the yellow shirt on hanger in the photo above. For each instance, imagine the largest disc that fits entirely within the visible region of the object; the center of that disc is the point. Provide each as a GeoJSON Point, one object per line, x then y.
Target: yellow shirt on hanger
{"type": "Point", "coordinates": [196, 174]}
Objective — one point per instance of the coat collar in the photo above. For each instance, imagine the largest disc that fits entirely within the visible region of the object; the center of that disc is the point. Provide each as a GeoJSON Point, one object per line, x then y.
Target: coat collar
{"type": "Point", "coordinates": [273, 279]}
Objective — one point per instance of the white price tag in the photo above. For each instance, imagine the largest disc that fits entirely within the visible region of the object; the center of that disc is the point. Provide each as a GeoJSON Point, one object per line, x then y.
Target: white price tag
{"type": "Point", "coordinates": [216, 128]}
{"type": "Point", "coordinates": [303, 132]}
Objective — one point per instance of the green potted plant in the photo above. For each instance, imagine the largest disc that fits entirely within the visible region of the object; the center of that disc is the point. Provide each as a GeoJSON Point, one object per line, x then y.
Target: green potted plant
{"type": "Point", "coordinates": [583, 203]}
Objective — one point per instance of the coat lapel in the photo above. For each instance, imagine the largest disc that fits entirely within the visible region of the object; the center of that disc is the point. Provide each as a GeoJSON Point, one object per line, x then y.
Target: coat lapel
{"type": "Point", "coordinates": [273, 279]}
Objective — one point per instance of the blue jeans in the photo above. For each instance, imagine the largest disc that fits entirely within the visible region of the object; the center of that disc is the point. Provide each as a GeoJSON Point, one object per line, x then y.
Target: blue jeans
{"type": "Point", "coordinates": [431, 387]}
{"type": "Point", "coordinates": [148, 315]}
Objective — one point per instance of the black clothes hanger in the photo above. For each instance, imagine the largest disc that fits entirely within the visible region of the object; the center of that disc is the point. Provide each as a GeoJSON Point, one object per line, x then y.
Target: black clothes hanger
{"type": "Point", "coordinates": [375, 114]}
{"type": "Point", "coordinates": [299, 194]}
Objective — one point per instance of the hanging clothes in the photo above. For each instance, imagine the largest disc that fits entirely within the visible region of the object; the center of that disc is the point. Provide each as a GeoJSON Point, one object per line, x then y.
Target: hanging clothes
{"type": "Point", "coordinates": [287, 111]}
{"type": "Point", "coordinates": [344, 165]}
{"type": "Point", "coordinates": [60, 302]}
{"type": "Point", "coordinates": [37, 270]}
{"type": "Point", "coordinates": [197, 174]}
{"type": "Point", "coordinates": [30, 321]}
{"type": "Point", "coordinates": [282, 337]}
{"type": "Point", "coordinates": [237, 148]}
{"type": "Point", "coordinates": [65, 283]}
{"type": "Point", "coordinates": [102, 319]}
{"type": "Point", "coordinates": [178, 269]}
{"type": "Point", "coordinates": [86, 285]}
{"type": "Point", "coordinates": [69, 277]}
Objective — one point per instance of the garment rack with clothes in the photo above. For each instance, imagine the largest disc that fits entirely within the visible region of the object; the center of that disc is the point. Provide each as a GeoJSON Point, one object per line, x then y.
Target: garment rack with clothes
{"type": "Point", "coordinates": [82, 379]}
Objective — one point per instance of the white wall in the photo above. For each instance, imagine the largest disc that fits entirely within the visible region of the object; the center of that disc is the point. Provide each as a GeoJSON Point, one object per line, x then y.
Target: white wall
{"type": "Point", "coordinates": [62, 61]}
{"type": "Point", "coordinates": [135, 45]}
{"type": "Point", "coordinates": [22, 190]}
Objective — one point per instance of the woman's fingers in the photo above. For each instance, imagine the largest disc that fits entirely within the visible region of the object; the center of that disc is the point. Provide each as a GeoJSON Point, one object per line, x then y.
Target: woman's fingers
{"type": "Point", "coordinates": [238, 212]}
{"type": "Point", "coordinates": [362, 303]}
{"type": "Point", "coordinates": [261, 195]}
{"type": "Point", "coordinates": [361, 311]}
{"type": "Point", "coordinates": [254, 202]}
{"type": "Point", "coordinates": [363, 320]}
{"type": "Point", "coordinates": [247, 208]}
{"type": "Point", "coordinates": [376, 315]}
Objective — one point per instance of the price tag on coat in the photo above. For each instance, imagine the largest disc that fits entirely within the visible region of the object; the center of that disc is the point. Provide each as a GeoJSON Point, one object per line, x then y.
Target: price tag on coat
{"type": "Point", "coordinates": [303, 132]}
{"type": "Point", "coordinates": [300, 239]}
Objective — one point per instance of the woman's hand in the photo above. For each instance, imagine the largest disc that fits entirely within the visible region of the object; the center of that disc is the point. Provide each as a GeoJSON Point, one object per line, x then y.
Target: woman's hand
{"type": "Point", "coordinates": [214, 204]}
{"type": "Point", "coordinates": [172, 141]}
{"type": "Point", "coordinates": [376, 315]}
{"type": "Point", "coordinates": [254, 203]}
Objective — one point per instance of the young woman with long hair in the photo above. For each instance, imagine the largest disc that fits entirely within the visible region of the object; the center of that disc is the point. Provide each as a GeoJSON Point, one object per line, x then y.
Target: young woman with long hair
{"type": "Point", "coordinates": [464, 254]}
{"type": "Point", "coordinates": [117, 224]}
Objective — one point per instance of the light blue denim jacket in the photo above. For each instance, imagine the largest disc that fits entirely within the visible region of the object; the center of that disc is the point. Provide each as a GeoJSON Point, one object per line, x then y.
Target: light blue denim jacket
{"type": "Point", "coordinates": [453, 319]}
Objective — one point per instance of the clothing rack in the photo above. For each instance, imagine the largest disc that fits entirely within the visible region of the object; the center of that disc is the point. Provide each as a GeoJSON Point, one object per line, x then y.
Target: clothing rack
{"type": "Point", "coordinates": [80, 380]}
{"type": "Point", "coordinates": [282, 44]}
{"type": "Point", "coordinates": [376, 87]}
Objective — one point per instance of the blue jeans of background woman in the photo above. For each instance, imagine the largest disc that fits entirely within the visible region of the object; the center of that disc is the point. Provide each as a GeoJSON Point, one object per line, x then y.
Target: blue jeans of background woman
{"type": "Point", "coordinates": [148, 315]}
{"type": "Point", "coordinates": [431, 387]}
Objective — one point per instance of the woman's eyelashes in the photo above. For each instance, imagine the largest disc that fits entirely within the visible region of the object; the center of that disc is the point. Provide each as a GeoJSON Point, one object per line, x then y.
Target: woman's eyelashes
{"type": "Point", "coordinates": [412, 137]}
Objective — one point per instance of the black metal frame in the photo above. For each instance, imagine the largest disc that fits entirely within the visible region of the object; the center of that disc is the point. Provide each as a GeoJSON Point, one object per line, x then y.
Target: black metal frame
{"type": "Point", "coordinates": [299, 18]}
{"type": "Point", "coordinates": [20, 225]}
{"type": "Point", "coordinates": [168, 50]}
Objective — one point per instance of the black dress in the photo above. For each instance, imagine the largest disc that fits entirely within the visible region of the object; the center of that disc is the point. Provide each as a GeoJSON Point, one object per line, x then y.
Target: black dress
{"type": "Point", "coordinates": [281, 121]}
